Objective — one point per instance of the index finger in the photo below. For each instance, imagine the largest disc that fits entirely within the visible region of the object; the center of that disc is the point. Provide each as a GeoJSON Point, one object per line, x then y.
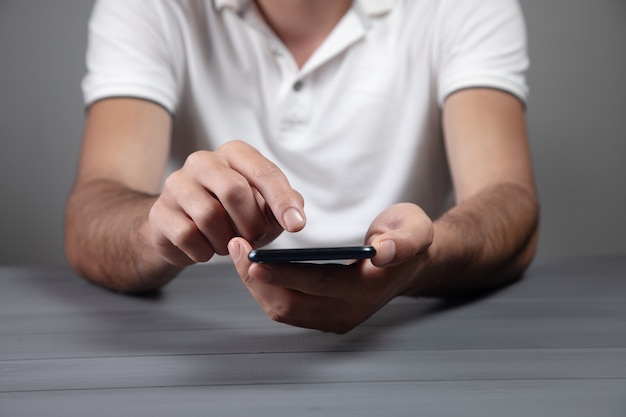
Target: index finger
{"type": "Point", "coordinates": [286, 204]}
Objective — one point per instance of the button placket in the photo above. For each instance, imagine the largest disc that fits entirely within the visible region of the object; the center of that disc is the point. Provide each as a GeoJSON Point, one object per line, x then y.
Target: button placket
{"type": "Point", "coordinates": [296, 107]}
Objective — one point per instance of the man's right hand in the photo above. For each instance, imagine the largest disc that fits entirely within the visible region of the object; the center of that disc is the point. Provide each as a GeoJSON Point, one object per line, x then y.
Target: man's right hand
{"type": "Point", "coordinates": [125, 232]}
{"type": "Point", "coordinates": [215, 196]}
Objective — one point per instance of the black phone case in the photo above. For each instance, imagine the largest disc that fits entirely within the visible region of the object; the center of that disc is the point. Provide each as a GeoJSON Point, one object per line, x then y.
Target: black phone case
{"type": "Point", "coordinates": [311, 254]}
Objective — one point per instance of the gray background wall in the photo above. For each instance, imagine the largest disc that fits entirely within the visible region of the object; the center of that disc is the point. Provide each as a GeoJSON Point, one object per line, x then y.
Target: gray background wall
{"type": "Point", "coordinates": [577, 122]}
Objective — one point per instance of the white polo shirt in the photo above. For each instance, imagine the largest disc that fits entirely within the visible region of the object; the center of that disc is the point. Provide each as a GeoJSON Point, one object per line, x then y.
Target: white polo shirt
{"type": "Point", "coordinates": [356, 129]}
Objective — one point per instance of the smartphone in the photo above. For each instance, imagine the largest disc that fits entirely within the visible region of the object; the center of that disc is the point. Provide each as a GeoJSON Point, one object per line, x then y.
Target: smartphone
{"type": "Point", "coordinates": [311, 254]}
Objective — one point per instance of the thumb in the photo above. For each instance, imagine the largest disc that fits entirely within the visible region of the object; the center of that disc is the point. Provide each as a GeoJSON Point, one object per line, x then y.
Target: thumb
{"type": "Point", "coordinates": [238, 249]}
{"type": "Point", "coordinates": [399, 234]}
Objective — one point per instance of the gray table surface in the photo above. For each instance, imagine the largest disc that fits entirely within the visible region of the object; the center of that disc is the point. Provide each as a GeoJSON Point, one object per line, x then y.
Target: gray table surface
{"type": "Point", "coordinates": [551, 345]}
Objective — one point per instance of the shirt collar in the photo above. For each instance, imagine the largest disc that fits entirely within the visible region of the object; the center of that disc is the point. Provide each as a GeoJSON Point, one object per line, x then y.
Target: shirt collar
{"type": "Point", "coordinates": [376, 7]}
{"type": "Point", "coordinates": [370, 7]}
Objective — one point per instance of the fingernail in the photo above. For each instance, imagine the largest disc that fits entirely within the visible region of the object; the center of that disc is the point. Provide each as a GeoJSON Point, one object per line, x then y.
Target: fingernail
{"type": "Point", "coordinates": [293, 219]}
{"type": "Point", "coordinates": [234, 249]}
{"type": "Point", "coordinates": [387, 251]}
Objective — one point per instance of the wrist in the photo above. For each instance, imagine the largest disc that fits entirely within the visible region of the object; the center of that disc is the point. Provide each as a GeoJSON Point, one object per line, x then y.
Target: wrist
{"type": "Point", "coordinates": [152, 269]}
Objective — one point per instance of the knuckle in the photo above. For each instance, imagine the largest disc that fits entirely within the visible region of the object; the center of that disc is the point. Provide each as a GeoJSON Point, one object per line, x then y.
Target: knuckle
{"type": "Point", "coordinates": [237, 192]}
{"type": "Point", "coordinates": [247, 279]}
{"type": "Point", "coordinates": [266, 169]}
{"type": "Point", "coordinates": [182, 234]}
{"type": "Point", "coordinates": [280, 311]}
{"type": "Point", "coordinates": [173, 181]}
{"type": "Point", "coordinates": [232, 147]}
{"type": "Point", "coordinates": [206, 213]}
{"type": "Point", "coordinates": [196, 158]}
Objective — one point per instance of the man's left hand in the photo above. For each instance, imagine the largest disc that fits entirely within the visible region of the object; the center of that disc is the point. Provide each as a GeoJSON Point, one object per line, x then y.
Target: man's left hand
{"type": "Point", "coordinates": [336, 298]}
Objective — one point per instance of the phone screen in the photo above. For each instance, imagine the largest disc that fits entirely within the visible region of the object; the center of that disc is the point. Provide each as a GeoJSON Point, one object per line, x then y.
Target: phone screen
{"type": "Point", "coordinates": [311, 254]}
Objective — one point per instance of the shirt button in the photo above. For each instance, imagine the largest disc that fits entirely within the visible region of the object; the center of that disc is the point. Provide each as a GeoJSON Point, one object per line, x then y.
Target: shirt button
{"type": "Point", "coordinates": [297, 86]}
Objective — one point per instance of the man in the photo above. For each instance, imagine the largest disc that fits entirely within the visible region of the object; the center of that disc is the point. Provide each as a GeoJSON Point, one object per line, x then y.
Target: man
{"type": "Point", "coordinates": [369, 111]}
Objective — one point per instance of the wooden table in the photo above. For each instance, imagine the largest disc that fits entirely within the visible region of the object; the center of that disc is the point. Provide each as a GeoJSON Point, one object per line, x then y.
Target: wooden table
{"type": "Point", "coordinates": [552, 345]}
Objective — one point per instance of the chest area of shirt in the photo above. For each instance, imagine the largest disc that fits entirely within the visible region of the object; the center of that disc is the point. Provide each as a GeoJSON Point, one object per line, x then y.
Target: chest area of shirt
{"type": "Point", "coordinates": [356, 70]}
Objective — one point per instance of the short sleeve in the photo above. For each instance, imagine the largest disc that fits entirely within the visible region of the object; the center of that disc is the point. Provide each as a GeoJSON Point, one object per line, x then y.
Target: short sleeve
{"type": "Point", "coordinates": [128, 54]}
{"type": "Point", "coordinates": [481, 43]}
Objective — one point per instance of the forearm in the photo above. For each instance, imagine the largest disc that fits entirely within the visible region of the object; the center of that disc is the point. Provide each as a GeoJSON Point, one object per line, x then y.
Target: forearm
{"type": "Point", "coordinates": [482, 243]}
{"type": "Point", "coordinates": [106, 239]}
